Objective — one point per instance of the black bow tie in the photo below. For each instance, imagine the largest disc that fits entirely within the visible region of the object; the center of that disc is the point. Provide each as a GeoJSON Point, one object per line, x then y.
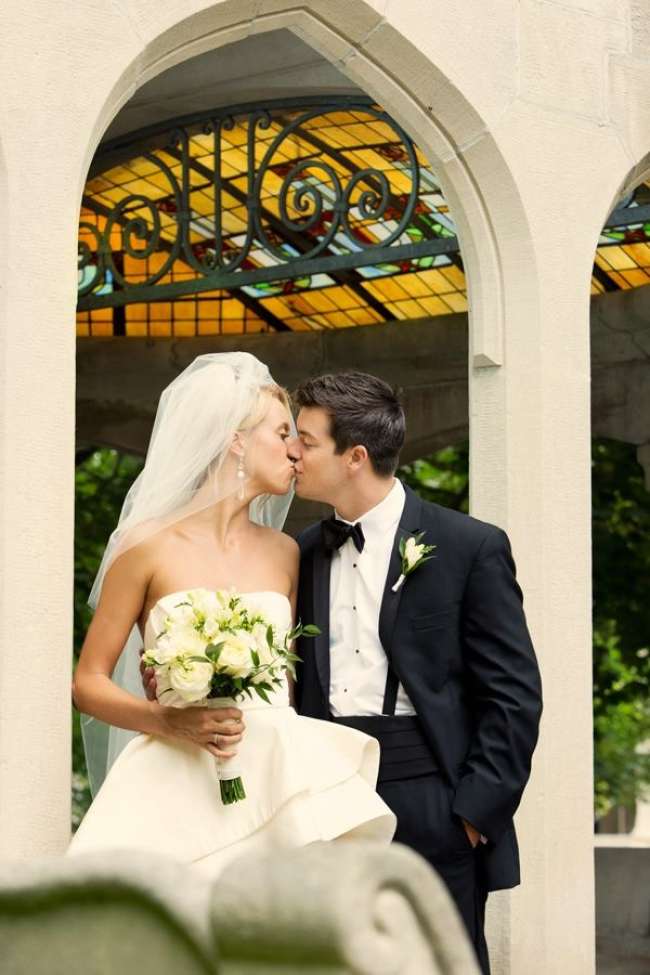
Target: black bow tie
{"type": "Point", "coordinates": [336, 532]}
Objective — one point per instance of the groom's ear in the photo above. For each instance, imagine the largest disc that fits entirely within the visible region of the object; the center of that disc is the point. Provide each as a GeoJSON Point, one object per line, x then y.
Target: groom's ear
{"type": "Point", "coordinates": [358, 457]}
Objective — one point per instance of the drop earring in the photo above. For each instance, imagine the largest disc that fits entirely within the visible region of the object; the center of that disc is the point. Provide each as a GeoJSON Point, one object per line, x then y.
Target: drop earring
{"type": "Point", "coordinates": [241, 477]}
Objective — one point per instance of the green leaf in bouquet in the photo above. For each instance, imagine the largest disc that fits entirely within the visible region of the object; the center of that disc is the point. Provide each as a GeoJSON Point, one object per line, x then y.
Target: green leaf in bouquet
{"type": "Point", "coordinates": [269, 635]}
{"type": "Point", "coordinates": [262, 693]}
{"type": "Point", "coordinates": [311, 630]}
{"type": "Point", "coordinates": [255, 657]}
{"type": "Point", "coordinates": [196, 659]}
{"type": "Point", "coordinates": [213, 651]}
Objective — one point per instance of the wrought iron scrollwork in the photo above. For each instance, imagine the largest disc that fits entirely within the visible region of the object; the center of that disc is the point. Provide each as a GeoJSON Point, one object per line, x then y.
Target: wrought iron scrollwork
{"type": "Point", "coordinates": [317, 222]}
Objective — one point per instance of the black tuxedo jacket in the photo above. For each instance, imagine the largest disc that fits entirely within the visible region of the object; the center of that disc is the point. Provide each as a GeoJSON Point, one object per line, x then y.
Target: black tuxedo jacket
{"type": "Point", "coordinates": [456, 635]}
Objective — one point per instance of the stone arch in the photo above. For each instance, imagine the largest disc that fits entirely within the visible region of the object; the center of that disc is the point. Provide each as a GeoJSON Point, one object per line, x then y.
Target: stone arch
{"type": "Point", "coordinates": [475, 177]}
{"type": "Point", "coordinates": [620, 333]}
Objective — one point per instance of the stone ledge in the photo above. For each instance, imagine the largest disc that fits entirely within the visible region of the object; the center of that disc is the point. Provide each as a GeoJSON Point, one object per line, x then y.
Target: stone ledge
{"type": "Point", "coordinates": [330, 908]}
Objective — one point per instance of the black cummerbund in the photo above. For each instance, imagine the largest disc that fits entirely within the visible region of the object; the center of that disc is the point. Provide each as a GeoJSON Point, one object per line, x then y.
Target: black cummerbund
{"type": "Point", "coordinates": [403, 747]}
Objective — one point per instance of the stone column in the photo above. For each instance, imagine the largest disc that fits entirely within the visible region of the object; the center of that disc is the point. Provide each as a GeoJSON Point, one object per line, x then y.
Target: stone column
{"type": "Point", "coordinates": [59, 80]}
{"type": "Point", "coordinates": [37, 341]}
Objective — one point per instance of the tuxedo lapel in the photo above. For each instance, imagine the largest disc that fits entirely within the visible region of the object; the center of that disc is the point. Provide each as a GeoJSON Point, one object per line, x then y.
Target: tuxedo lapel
{"type": "Point", "coordinates": [321, 577]}
{"type": "Point", "coordinates": [409, 525]}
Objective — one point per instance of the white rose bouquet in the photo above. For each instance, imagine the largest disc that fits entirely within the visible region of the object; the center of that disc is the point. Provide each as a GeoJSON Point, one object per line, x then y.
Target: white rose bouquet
{"type": "Point", "coordinates": [214, 650]}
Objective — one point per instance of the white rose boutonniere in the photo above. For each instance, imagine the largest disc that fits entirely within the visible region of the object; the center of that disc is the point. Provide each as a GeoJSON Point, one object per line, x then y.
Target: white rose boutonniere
{"type": "Point", "coordinates": [414, 553]}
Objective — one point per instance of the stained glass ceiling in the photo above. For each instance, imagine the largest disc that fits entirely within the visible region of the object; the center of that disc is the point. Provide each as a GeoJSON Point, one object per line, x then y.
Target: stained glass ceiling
{"type": "Point", "coordinates": [298, 218]}
{"type": "Point", "coordinates": [623, 255]}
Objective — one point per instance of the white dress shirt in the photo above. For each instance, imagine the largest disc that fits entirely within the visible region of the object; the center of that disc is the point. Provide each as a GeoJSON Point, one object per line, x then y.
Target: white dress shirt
{"type": "Point", "coordinates": [358, 662]}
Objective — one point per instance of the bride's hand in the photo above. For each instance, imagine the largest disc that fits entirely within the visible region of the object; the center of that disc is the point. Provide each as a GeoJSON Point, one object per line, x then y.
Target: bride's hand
{"type": "Point", "coordinates": [148, 675]}
{"type": "Point", "coordinates": [218, 731]}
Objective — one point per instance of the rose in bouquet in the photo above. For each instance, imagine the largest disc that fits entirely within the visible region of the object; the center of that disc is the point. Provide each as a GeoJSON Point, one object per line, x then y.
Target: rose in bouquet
{"type": "Point", "coordinates": [213, 651]}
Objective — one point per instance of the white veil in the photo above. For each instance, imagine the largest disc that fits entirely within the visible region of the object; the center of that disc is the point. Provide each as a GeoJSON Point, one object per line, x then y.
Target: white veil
{"type": "Point", "coordinates": [198, 414]}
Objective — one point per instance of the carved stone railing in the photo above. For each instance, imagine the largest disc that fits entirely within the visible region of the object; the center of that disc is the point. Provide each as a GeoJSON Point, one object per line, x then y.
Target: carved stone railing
{"type": "Point", "coordinates": [327, 909]}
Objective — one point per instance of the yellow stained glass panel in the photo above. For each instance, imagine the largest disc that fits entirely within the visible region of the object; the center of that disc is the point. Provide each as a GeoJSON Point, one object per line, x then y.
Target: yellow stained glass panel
{"type": "Point", "coordinates": [364, 316]}
{"type": "Point", "coordinates": [321, 301]}
{"type": "Point", "coordinates": [386, 289]}
{"type": "Point", "coordinates": [277, 306]}
{"type": "Point", "coordinates": [456, 301]}
{"type": "Point", "coordinates": [415, 286]}
{"type": "Point", "coordinates": [160, 329]}
{"type": "Point", "coordinates": [208, 310]}
{"type": "Point", "coordinates": [637, 278]}
{"type": "Point", "coordinates": [396, 310]}
{"type": "Point", "coordinates": [454, 274]}
{"type": "Point", "coordinates": [160, 311]}
{"type": "Point", "coordinates": [136, 313]}
{"type": "Point", "coordinates": [101, 329]}
{"type": "Point", "coordinates": [435, 306]}
{"type": "Point", "coordinates": [639, 253]}
{"type": "Point", "coordinates": [136, 329]}
{"type": "Point", "coordinates": [616, 257]}
{"type": "Point", "coordinates": [619, 280]}
{"type": "Point", "coordinates": [184, 329]}
{"type": "Point", "coordinates": [208, 328]}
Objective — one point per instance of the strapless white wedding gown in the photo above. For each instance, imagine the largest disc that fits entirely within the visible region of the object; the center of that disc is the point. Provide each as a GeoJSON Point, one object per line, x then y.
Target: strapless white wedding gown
{"type": "Point", "coordinates": [305, 780]}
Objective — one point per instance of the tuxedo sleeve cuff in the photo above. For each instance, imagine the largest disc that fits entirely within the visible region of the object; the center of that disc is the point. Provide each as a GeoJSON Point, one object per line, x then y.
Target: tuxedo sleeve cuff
{"type": "Point", "coordinates": [489, 830]}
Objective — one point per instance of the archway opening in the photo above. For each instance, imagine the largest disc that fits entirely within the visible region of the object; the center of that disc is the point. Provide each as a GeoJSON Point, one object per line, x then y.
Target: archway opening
{"type": "Point", "coordinates": [310, 230]}
{"type": "Point", "coordinates": [620, 340]}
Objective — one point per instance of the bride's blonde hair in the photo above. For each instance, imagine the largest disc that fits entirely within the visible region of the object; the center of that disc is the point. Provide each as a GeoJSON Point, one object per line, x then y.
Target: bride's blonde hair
{"type": "Point", "coordinates": [261, 407]}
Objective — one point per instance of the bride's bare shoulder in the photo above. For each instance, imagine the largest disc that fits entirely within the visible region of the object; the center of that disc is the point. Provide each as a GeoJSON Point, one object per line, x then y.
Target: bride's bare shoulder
{"type": "Point", "coordinates": [141, 547]}
{"type": "Point", "coordinates": [279, 540]}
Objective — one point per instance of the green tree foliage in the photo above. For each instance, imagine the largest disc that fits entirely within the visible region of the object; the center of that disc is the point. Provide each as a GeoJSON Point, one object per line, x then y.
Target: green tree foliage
{"type": "Point", "coordinates": [443, 477]}
{"type": "Point", "coordinates": [621, 590]}
{"type": "Point", "coordinates": [102, 480]}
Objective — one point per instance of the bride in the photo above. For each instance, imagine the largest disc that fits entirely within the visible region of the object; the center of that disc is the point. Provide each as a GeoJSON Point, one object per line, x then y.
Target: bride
{"type": "Point", "coordinates": [206, 514]}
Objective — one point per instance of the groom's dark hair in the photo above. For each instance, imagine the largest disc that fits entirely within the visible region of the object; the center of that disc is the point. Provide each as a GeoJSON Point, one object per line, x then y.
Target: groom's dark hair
{"type": "Point", "coordinates": [362, 410]}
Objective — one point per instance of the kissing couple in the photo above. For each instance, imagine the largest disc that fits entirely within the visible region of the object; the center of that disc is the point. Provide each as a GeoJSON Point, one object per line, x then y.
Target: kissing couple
{"type": "Point", "coordinates": [373, 679]}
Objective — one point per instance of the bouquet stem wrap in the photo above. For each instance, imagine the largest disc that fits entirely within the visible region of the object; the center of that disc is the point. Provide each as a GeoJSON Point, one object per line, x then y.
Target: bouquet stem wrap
{"type": "Point", "coordinates": [228, 769]}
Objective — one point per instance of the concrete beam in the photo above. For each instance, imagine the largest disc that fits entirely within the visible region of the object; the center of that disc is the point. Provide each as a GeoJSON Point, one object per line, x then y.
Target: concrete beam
{"type": "Point", "coordinates": [119, 380]}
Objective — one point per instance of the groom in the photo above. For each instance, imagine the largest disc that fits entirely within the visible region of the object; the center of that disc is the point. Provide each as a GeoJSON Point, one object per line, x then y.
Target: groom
{"type": "Point", "coordinates": [440, 669]}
